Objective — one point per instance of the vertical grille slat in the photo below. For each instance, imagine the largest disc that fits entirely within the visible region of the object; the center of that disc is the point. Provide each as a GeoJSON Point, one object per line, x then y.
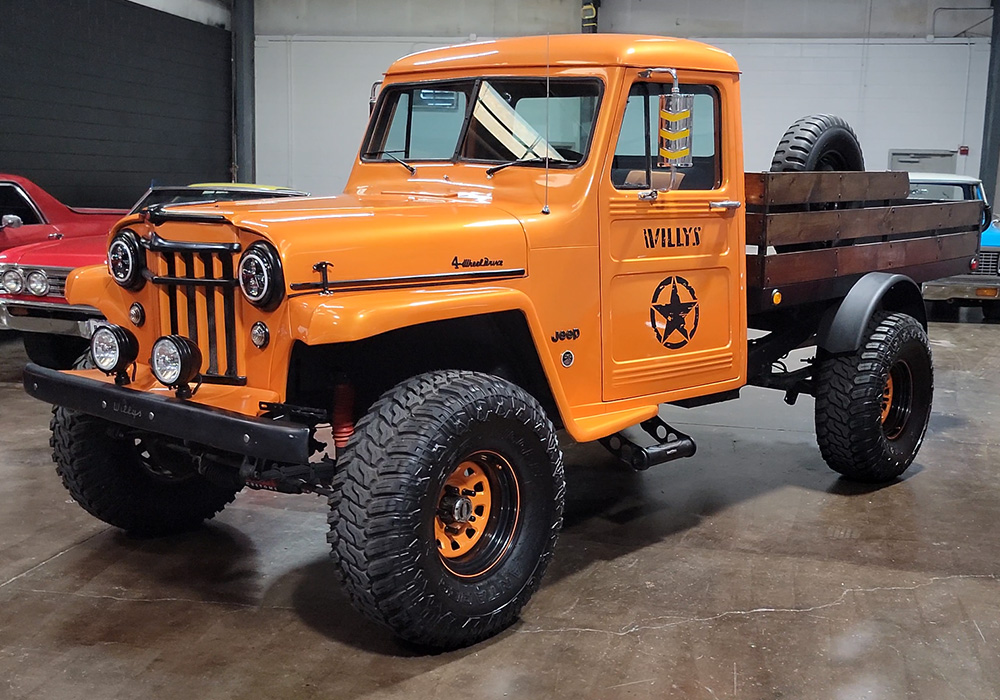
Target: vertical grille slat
{"type": "Point", "coordinates": [229, 310]}
{"type": "Point", "coordinates": [190, 297]}
{"type": "Point", "coordinates": [194, 275]}
{"type": "Point", "coordinates": [209, 295]}
{"type": "Point", "coordinates": [172, 291]}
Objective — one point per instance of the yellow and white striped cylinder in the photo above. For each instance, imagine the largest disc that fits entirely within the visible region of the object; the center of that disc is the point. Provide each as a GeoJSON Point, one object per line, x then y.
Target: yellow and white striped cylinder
{"type": "Point", "coordinates": [675, 130]}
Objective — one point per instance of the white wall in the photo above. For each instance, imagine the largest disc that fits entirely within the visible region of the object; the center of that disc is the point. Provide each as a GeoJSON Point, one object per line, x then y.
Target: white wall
{"type": "Point", "coordinates": [897, 94]}
{"type": "Point", "coordinates": [312, 104]}
{"type": "Point", "coordinates": [312, 97]}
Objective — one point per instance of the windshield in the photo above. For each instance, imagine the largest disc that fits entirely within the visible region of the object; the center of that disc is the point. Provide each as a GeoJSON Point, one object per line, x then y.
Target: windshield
{"type": "Point", "coordinates": [493, 120]}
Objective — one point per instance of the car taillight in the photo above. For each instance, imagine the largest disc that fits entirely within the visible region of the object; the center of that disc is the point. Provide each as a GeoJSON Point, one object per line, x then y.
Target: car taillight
{"type": "Point", "coordinates": [973, 264]}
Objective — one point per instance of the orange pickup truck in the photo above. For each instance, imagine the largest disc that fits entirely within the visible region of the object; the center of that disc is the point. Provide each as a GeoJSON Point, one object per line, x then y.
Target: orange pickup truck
{"type": "Point", "coordinates": [538, 233]}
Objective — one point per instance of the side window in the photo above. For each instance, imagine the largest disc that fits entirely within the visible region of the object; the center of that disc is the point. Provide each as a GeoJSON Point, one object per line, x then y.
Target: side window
{"type": "Point", "coordinates": [635, 163]}
{"type": "Point", "coordinates": [13, 202]}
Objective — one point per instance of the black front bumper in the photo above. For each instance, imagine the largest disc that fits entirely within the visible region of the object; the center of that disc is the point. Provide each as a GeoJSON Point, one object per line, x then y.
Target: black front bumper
{"type": "Point", "coordinates": [281, 441]}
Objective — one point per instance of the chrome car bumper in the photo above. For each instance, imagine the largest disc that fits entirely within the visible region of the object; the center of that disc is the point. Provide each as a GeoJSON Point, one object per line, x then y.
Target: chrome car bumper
{"type": "Point", "coordinates": [970, 287]}
{"type": "Point", "coordinates": [46, 317]}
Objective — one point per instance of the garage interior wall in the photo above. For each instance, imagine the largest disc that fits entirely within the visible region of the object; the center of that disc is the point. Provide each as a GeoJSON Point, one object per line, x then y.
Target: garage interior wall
{"type": "Point", "coordinates": [101, 97]}
{"type": "Point", "coordinates": [897, 88]}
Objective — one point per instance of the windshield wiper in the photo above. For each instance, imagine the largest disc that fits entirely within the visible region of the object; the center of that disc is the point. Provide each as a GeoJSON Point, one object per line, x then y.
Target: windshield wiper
{"type": "Point", "coordinates": [519, 161]}
{"type": "Point", "coordinates": [413, 171]}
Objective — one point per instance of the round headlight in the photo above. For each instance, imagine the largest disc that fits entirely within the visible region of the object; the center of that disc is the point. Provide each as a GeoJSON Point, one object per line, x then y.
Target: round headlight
{"type": "Point", "coordinates": [175, 360]}
{"type": "Point", "coordinates": [13, 282]}
{"type": "Point", "coordinates": [260, 276]}
{"type": "Point", "coordinates": [113, 349]}
{"type": "Point", "coordinates": [126, 260]}
{"type": "Point", "coordinates": [37, 283]}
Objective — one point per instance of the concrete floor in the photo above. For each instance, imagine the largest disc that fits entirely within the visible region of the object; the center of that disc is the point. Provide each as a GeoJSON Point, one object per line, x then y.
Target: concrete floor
{"type": "Point", "coordinates": [749, 571]}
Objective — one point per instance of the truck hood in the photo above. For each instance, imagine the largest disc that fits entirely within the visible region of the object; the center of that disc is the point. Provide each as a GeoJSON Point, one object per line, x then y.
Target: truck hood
{"type": "Point", "coordinates": [66, 252]}
{"type": "Point", "coordinates": [404, 239]}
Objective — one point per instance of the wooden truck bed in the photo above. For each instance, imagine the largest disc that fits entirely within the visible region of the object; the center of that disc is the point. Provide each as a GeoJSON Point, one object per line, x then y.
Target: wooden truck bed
{"type": "Point", "coordinates": [816, 233]}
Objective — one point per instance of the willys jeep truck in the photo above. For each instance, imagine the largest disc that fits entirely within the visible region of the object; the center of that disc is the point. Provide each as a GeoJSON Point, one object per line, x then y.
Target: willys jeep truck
{"type": "Point", "coordinates": [538, 233]}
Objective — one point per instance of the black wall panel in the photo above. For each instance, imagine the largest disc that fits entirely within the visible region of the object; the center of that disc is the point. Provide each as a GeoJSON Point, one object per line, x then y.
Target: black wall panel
{"type": "Point", "coordinates": [100, 97]}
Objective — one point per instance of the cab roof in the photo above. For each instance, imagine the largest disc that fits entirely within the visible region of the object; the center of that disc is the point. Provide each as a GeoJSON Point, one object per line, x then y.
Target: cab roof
{"type": "Point", "coordinates": [566, 50]}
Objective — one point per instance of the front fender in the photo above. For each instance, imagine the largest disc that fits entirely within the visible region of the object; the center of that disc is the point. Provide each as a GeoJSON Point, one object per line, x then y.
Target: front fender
{"type": "Point", "coordinates": [316, 319]}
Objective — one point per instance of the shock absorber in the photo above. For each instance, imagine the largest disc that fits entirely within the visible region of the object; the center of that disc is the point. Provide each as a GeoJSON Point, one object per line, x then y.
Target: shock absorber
{"type": "Point", "coordinates": [343, 414]}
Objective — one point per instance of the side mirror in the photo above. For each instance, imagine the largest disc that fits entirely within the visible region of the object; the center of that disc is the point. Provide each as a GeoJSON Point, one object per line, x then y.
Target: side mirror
{"type": "Point", "coordinates": [11, 221]}
{"type": "Point", "coordinates": [676, 118]}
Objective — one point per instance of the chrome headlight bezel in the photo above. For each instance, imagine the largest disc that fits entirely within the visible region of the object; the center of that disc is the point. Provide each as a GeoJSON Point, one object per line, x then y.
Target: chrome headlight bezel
{"type": "Point", "coordinates": [34, 275]}
{"type": "Point", "coordinates": [260, 277]}
{"type": "Point", "coordinates": [12, 281]}
{"type": "Point", "coordinates": [127, 260]}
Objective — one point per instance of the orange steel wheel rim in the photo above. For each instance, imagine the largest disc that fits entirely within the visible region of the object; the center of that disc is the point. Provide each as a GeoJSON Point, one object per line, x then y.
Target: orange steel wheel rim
{"type": "Point", "coordinates": [887, 399]}
{"type": "Point", "coordinates": [463, 510]}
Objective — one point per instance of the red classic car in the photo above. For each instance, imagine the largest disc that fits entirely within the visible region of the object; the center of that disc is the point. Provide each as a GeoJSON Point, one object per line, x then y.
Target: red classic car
{"type": "Point", "coordinates": [29, 214]}
{"type": "Point", "coordinates": [33, 277]}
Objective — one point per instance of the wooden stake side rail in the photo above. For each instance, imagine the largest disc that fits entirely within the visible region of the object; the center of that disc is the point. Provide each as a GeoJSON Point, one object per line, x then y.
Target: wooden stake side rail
{"type": "Point", "coordinates": [790, 228]}
{"type": "Point", "coordinates": [779, 189]}
{"type": "Point", "coordinates": [816, 232]}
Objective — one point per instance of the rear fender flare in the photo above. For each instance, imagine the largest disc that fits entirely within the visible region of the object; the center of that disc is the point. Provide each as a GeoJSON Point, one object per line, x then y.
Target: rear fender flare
{"type": "Point", "coordinates": [842, 327]}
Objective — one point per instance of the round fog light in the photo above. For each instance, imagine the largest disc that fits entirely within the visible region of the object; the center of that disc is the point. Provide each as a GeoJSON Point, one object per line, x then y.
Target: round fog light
{"type": "Point", "coordinates": [13, 282]}
{"type": "Point", "coordinates": [175, 360]}
{"type": "Point", "coordinates": [113, 349]}
{"type": "Point", "coordinates": [259, 335]}
{"type": "Point", "coordinates": [38, 283]}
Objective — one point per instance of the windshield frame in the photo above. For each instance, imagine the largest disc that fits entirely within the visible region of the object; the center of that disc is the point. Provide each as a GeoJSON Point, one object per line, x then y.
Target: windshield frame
{"type": "Point", "coordinates": [381, 105]}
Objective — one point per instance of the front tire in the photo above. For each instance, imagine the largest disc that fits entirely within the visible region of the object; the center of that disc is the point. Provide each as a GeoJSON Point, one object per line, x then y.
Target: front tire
{"type": "Point", "coordinates": [55, 351]}
{"type": "Point", "coordinates": [131, 483]}
{"type": "Point", "coordinates": [873, 405]}
{"type": "Point", "coordinates": [447, 506]}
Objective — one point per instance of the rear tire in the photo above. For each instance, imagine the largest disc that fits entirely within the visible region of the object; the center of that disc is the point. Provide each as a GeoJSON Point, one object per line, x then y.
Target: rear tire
{"type": "Point", "coordinates": [128, 483]}
{"type": "Point", "coordinates": [873, 405]}
{"type": "Point", "coordinates": [436, 571]}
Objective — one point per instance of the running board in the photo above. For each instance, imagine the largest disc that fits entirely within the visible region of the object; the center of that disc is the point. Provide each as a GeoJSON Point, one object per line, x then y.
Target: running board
{"type": "Point", "coordinates": [672, 444]}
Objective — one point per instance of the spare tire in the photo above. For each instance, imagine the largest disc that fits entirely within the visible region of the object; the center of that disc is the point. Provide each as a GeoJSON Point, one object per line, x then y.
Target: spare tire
{"type": "Point", "coordinates": [818, 142]}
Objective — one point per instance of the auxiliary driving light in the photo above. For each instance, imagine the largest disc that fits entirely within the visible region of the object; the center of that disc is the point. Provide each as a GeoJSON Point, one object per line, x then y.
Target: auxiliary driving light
{"type": "Point", "coordinates": [175, 361]}
{"type": "Point", "coordinates": [13, 282]}
{"type": "Point", "coordinates": [113, 349]}
{"type": "Point", "coordinates": [37, 283]}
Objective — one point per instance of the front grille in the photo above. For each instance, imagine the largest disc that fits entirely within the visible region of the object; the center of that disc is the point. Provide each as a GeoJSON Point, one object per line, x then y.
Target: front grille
{"type": "Point", "coordinates": [989, 260]}
{"type": "Point", "coordinates": [199, 301]}
{"type": "Point", "coordinates": [57, 282]}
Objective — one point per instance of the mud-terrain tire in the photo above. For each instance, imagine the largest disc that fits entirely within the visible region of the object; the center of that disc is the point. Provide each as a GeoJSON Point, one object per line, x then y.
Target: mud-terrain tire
{"type": "Point", "coordinates": [873, 405]}
{"type": "Point", "coordinates": [122, 482]}
{"type": "Point", "coordinates": [425, 444]}
{"type": "Point", "coordinates": [818, 142]}
{"type": "Point", "coordinates": [54, 351]}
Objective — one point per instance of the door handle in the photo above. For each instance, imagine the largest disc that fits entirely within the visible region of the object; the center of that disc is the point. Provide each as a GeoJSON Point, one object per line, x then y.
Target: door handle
{"type": "Point", "coordinates": [649, 196]}
{"type": "Point", "coordinates": [725, 204]}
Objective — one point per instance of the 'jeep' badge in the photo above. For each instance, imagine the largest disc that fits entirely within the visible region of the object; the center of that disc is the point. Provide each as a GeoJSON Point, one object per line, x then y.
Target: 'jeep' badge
{"type": "Point", "coordinates": [673, 312]}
